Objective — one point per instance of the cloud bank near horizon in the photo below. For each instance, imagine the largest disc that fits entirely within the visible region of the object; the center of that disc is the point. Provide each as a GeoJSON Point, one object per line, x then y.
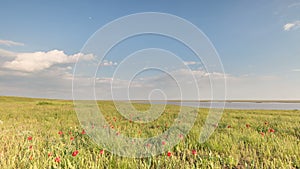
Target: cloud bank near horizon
{"type": "Point", "coordinates": [49, 75]}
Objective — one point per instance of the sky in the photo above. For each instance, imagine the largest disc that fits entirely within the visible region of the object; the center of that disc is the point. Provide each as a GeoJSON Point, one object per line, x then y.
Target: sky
{"type": "Point", "coordinates": [257, 43]}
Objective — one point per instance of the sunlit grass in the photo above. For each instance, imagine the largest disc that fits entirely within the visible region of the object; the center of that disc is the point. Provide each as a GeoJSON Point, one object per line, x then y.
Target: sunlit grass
{"type": "Point", "coordinates": [46, 134]}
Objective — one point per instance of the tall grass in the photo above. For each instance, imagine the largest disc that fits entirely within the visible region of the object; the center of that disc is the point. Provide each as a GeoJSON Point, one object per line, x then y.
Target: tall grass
{"type": "Point", "coordinates": [38, 135]}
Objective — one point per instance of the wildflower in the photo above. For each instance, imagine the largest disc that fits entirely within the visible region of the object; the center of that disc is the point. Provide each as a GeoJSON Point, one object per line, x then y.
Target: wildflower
{"type": "Point", "coordinates": [163, 143]}
{"type": "Point", "coordinates": [49, 154]}
{"type": "Point", "coordinates": [101, 152]}
{"type": "Point", "coordinates": [262, 134]}
{"type": "Point", "coordinates": [30, 158]}
{"type": "Point", "coordinates": [194, 152]}
{"type": "Point", "coordinates": [169, 154]}
{"type": "Point", "coordinates": [247, 125]}
{"type": "Point", "coordinates": [57, 159]}
{"type": "Point", "coordinates": [71, 138]}
{"type": "Point", "coordinates": [271, 130]}
{"type": "Point", "coordinates": [75, 153]}
{"type": "Point", "coordinates": [30, 147]}
{"type": "Point", "coordinates": [60, 133]}
{"type": "Point", "coordinates": [229, 126]}
{"type": "Point", "coordinates": [181, 136]}
{"type": "Point", "coordinates": [29, 138]}
{"type": "Point", "coordinates": [83, 132]}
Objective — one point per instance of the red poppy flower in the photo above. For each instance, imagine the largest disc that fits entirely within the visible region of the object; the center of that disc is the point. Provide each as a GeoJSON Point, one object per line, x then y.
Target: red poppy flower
{"type": "Point", "coordinates": [169, 154]}
{"type": "Point", "coordinates": [229, 126]}
{"type": "Point", "coordinates": [75, 153]}
{"type": "Point", "coordinates": [163, 143]}
{"type": "Point", "coordinates": [60, 133]}
{"type": "Point", "coordinates": [30, 147]}
{"type": "Point", "coordinates": [194, 152]}
{"type": "Point", "coordinates": [181, 136]}
{"type": "Point", "coordinates": [49, 154]}
{"type": "Point", "coordinates": [101, 152]}
{"type": "Point", "coordinates": [271, 130]}
{"type": "Point", "coordinates": [71, 138]}
{"type": "Point", "coordinates": [29, 138]}
{"type": "Point", "coordinates": [57, 159]}
{"type": "Point", "coordinates": [262, 133]}
{"type": "Point", "coordinates": [83, 132]}
{"type": "Point", "coordinates": [30, 158]}
{"type": "Point", "coordinates": [247, 125]}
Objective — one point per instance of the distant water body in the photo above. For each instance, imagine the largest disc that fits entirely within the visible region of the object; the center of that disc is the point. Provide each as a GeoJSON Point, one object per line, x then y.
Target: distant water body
{"type": "Point", "coordinates": [234, 105]}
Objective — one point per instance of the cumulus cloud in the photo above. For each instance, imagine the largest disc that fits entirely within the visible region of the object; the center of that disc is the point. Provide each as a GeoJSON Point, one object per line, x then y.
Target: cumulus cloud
{"type": "Point", "coordinates": [10, 43]}
{"type": "Point", "coordinates": [292, 26]}
{"type": "Point", "coordinates": [37, 61]}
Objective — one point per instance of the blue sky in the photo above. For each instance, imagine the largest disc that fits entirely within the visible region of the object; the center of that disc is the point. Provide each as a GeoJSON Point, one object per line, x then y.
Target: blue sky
{"type": "Point", "coordinates": [257, 41]}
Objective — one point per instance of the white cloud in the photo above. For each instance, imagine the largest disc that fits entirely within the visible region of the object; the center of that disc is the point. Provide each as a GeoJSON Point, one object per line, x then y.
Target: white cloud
{"type": "Point", "coordinates": [238, 87]}
{"type": "Point", "coordinates": [56, 82]}
{"type": "Point", "coordinates": [108, 63]}
{"type": "Point", "coordinates": [10, 43]}
{"type": "Point", "coordinates": [6, 53]}
{"type": "Point", "coordinates": [176, 84]}
{"type": "Point", "coordinates": [292, 26]}
{"type": "Point", "coordinates": [296, 70]}
{"type": "Point", "coordinates": [53, 83]}
{"type": "Point", "coordinates": [191, 63]}
{"type": "Point", "coordinates": [37, 61]}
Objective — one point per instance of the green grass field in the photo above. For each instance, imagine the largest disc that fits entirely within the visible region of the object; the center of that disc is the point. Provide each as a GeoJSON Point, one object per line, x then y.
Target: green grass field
{"type": "Point", "coordinates": [40, 133]}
